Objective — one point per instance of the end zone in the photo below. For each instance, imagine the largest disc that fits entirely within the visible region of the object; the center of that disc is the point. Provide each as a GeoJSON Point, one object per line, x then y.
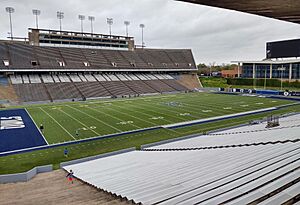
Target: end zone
{"type": "Point", "coordinates": [18, 131]}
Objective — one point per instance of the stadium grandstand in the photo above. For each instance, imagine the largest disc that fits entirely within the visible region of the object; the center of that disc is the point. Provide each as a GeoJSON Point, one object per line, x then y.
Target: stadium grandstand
{"type": "Point", "coordinates": [190, 146]}
{"type": "Point", "coordinates": [72, 69]}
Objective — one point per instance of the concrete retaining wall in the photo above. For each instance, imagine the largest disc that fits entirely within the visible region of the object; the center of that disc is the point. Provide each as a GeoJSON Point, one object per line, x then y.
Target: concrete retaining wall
{"type": "Point", "coordinates": [76, 161]}
{"type": "Point", "coordinates": [25, 176]}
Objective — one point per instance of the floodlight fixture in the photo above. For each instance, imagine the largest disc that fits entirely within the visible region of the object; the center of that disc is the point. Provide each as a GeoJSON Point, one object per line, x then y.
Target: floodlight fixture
{"type": "Point", "coordinates": [81, 18]}
{"type": "Point", "coordinates": [127, 23]}
{"type": "Point", "coordinates": [60, 16]}
{"type": "Point", "coordinates": [91, 19]}
{"type": "Point", "coordinates": [142, 26]}
{"type": "Point", "coordinates": [36, 12]}
{"type": "Point", "coordinates": [10, 10]}
{"type": "Point", "coordinates": [110, 22]}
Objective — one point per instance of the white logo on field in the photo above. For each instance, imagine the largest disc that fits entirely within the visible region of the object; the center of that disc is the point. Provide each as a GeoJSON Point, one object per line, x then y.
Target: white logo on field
{"type": "Point", "coordinates": [185, 114]}
{"type": "Point", "coordinates": [14, 122]}
{"type": "Point", "coordinates": [125, 123]}
{"type": "Point", "coordinates": [206, 110]}
{"type": "Point", "coordinates": [157, 118]}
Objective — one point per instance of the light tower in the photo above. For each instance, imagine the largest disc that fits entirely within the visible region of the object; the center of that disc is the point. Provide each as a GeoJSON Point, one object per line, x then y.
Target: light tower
{"type": "Point", "coordinates": [142, 26]}
{"type": "Point", "coordinates": [91, 19]}
{"type": "Point", "coordinates": [81, 18]}
{"type": "Point", "coordinates": [36, 12]}
{"type": "Point", "coordinates": [10, 10]}
{"type": "Point", "coordinates": [60, 16]}
{"type": "Point", "coordinates": [110, 22]}
{"type": "Point", "coordinates": [127, 23]}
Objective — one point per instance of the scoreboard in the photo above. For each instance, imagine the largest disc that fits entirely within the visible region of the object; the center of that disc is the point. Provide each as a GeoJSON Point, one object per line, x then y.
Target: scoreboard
{"type": "Point", "coordinates": [283, 49]}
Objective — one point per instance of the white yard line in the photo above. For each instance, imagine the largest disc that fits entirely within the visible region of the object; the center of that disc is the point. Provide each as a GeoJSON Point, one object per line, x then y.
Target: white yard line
{"type": "Point", "coordinates": [148, 121]}
{"type": "Point", "coordinates": [177, 114]}
{"type": "Point", "coordinates": [79, 121]}
{"type": "Point", "coordinates": [133, 116]}
{"type": "Point", "coordinates": [57, 123]}
{"type": "Point", "coordinates": [110, 116]}
{"type": "Point", "coordinates": [36, 126]}
{"type": "Point", "coordinates": [148, 114]}
{"type": "Point", "coordinates": [95, 119]}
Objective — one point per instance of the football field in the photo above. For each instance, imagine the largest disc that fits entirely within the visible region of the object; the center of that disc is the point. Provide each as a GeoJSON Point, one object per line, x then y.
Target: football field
{"type": "Point", "coordinates": [79, 120]}
{"type": "Point", "coordinates": [72, 121]}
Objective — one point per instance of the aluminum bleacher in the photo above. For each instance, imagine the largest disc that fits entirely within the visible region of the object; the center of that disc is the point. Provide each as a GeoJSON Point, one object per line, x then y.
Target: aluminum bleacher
{"type": "Point", "coordinates": [16, 79]}
{"type": "Point", "coordinates": [92, 89]}
{"type": "Point", "coordinates": [106, 77]}
{"type": "Point", "coordinates": [117, 88]}
{"type": "Point", "coordinates": [64, 78]}
{"type": "Point", "coordinates": [25, 78]}
{"type": "Point", "coordinates": [159, 86]}
{"type": "Point", "coordinates": [139, 87]}
{"type": "Point", "coordinates": [31, 92]}
{"type": "Point", "coordinates": [75, 78]}
{"type": "Point", "coordinates": [56, 79]}
{"type": "Point", "coordinates": [260, 173]}
{"type": "Point", "coordinates": [190, 177]}
{"type": "Point", "coordinates": [47, 78]}
{"type": "Point", "coordinates": [72, 85]}
{"type": "Point", "coordinates": [177, 86]}
{"type": "Point", "coordinates": [138, 71]}
{"type": "Point", "coordinates": [61, 91]}
{"type": "Point", "coordinates": [81, 76]}
{"type": "Point", "coordinates": [90, 78]}
{"type": "Point", "coordinates": [25, 56]}
{"type": "Point", "coordinates": [113, 77]}
{"type": "Point", "coordinates": [35, 78]}
{"type": "Point", "coordinates": [99, 77]}
{"type": "Point", "coordinates": [289, 129]}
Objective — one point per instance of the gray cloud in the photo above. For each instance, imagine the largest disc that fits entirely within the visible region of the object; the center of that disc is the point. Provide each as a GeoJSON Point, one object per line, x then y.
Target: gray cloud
{"type": "Point", "coordinates": [214, 35]}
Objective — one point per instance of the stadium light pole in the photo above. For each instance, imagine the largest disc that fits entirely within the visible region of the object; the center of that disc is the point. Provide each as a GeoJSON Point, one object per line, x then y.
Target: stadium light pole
{"type": "Point", "coordinates": [127, 23]}
{"type": "Point", "coordinates": [110, 22]}
{"type": "Point", "coordinates": [60, 16]}
{"type": "Point", "coordinates": [36, 12]}
{"type": "Point", "coordinates": [91, 19]}
{"type": "Point", "coordinates": [265, 81]}
{"type": "Point", "coordinates": [142, 26]}
{"type": "Point", "coordinates": [81, 18]}
{"type": "Point", "coordinates": [281, 69]}
{"type": "Point", "coordinates": [10, 10]}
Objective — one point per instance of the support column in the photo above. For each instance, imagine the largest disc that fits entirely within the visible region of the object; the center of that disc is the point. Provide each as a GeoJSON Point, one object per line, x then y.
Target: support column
{"type": "Point", "coordinates": [254, 73]}
{"type": "Point", "coordinates": [271, 70]}
{"type": "Point", "coordinates": [290, 72]}
{"type": "Point", "coordinates": [239, 66]}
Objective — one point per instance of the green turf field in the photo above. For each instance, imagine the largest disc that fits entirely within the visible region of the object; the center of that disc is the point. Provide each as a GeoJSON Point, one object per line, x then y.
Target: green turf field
{"type": "Point", "coordinates": [98, 118]}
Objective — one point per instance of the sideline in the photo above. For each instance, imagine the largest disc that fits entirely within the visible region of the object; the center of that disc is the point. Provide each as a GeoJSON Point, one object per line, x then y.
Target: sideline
{"type": "Point", "coordinates": [173, 126]}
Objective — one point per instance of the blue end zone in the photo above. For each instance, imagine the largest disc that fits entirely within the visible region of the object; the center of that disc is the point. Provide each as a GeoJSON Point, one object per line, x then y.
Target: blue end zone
{"type": "Point", "coordinates": [19, 138]}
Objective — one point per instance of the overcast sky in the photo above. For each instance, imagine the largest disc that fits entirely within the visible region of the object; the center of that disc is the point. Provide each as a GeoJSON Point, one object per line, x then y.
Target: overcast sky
{"type": "Point", "coordinates": [214, 35]}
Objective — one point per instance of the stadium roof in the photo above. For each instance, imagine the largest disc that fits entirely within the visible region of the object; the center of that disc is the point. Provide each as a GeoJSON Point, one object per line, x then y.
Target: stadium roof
{"type": "Point", "coordinates": [286, 10]}
{"type": "Point", "coordinates": [287, 61]}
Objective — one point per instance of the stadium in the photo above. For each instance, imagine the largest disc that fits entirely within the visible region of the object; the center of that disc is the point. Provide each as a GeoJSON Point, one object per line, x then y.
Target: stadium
{"type": "Point", "coordinates": [136, 126]}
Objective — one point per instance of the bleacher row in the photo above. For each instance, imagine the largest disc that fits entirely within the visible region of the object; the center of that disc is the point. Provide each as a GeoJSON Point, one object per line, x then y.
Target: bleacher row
{"type": "Point", "coordinates": [74, 77]}
{"type": "Point", "coordinates": [46, 87]}
{"type": "Point", "coordinates": [24, 56]}
{"type": "Point", "coordinates": [247, 168]}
